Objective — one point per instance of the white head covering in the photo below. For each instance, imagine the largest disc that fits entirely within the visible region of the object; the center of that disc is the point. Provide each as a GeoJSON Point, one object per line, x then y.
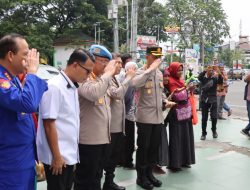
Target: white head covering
{"type": "Point", "coordinates": [130, 64]}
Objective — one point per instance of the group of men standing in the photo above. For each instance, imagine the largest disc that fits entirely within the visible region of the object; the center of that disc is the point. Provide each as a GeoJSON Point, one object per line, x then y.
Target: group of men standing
{"type": "Point", "coordinates": [81, 118]}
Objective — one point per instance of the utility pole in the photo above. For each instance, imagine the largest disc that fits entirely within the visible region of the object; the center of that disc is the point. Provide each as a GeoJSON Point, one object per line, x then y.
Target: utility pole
{"type": "Point", "coordinates": [99, 31]}
{"type": "Point", "coordinates": [134, 15]}
{"type": "Point", "coordinates": [158, 34]}
{"type": "Point", "coordinates": [95, 32]}
{"type": "Point", "coordinates": [115, 26]}
{"type": "Point", "coordinates": [127, 28]}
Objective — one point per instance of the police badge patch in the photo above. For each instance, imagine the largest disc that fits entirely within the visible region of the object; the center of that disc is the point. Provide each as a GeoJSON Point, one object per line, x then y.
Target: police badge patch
{"type": "Point", "coordinates": [4, 84]}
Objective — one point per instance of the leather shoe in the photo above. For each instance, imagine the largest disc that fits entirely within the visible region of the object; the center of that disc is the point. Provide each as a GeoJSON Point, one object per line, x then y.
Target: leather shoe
{"type": "Point", "coordinates": [145, 184]}
{"type": "Point", "coordinates": [215, 135]}
{"type": "Point", "coordinates": [203, 137]}
{"type": "Point", "coordinates": [112, 186]}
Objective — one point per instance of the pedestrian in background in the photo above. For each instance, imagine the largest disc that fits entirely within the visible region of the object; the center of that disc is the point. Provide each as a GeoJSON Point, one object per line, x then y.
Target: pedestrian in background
{"type": "Point", "coordinates": [18, 102]}
{"type": "Point", "coordinates": [209, 81]}
{"type": "Point", "coordinates": [59, 121]}
{"type": "Point", "coordinates": [246, 130]}
{"type": "Point", "coordinates": [222, 90]}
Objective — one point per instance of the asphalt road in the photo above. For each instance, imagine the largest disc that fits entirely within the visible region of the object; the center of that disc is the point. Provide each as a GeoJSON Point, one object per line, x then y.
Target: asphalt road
{"type": "Point", "coordinates": [235, 98]}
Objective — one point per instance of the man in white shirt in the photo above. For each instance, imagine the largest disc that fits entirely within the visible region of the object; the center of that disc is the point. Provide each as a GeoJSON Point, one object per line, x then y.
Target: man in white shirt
{"type": "Point", "coordinates": [59, 121]}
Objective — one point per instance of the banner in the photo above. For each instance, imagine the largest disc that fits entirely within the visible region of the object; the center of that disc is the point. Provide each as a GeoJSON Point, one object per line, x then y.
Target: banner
{"type": "Point", "coordinates": [192, 60]}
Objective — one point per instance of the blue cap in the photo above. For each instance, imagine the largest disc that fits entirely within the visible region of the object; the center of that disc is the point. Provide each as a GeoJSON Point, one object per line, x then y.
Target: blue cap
{"type": "Point", "coordinates": [100, 51]}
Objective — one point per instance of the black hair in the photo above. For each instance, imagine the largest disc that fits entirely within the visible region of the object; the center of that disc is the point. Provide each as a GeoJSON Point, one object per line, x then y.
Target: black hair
{"type": "Point", "coordinates": [80, 55]}
{"type": "Point", "coordinates": [125, 57]}
{"type": "Point", "coordinates": [8, 43]}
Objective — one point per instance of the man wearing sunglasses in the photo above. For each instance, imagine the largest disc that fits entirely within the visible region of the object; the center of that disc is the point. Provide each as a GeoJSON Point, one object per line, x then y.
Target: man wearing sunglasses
{"type": "Point", "coordinates": [59, 122]}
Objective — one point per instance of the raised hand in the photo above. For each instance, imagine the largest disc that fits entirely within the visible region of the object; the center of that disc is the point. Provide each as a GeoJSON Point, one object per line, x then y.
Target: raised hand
{"type": "Point", "coordinates": [130, 73]}
{"type": "Point", "coordinates": [155, 64]}
{"type": "Point", "coordinates": [33, 61]}
{"type": "Point", "coordinates": [110, 69]}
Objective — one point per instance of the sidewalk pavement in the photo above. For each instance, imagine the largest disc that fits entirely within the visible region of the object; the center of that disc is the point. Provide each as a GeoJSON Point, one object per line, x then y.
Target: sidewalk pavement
{"type": "Point", "coordinates": [221, 164]}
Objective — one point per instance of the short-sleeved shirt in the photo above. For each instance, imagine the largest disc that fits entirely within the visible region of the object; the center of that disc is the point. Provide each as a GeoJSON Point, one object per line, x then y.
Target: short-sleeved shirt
{"type": "Point", "coordinates": [61, 103]}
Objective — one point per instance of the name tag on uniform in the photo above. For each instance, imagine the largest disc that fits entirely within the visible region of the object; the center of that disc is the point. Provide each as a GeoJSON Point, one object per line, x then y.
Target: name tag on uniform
{"type": "Point", "coordinates": [99, 102]}
{"type": "Point", "coordinates": [149, 84]}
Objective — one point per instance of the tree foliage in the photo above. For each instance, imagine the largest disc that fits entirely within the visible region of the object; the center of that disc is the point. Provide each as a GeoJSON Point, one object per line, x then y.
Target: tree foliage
{"type": "Point", "coordinates": [227, 56]}
{"type": "Point", "coordinates": [199, 19]}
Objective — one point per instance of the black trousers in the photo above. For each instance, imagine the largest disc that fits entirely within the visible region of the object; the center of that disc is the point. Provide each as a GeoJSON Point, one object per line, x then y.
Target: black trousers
{"type": "Point", "coordinates": [63, 181]}
{"type": "Point", "coordinates": [205, 108]}
{"type": "Point", "coordinates": [129, 142]}
{"type": "Point", "coordinates": [89, 171]}
{"type": "Point", "coordinates": [113, 151]}
{"type": "Point", "coordinates": [148, 142]}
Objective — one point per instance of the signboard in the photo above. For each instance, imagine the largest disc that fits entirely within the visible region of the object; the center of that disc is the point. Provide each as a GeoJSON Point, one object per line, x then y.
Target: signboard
{"type": "Point", "coordinates": [146, 41]}
{"type": "Point", "coordinates": [172, 29]}
{"type": "Point", "coordinates": [191, 60]}
{"type": "Point", "coordinates": [142, 43]}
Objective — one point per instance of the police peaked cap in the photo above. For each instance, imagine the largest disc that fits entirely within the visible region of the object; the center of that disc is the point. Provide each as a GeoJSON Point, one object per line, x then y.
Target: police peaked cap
{"type": "Point", "coordinates": [156, 50]}
{"type": "Point", "coordinates": [100, 51]}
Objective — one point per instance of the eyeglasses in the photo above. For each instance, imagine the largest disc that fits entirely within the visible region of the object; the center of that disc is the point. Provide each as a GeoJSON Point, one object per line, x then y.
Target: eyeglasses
{"type": "Point", "coordinates": [87, 70]}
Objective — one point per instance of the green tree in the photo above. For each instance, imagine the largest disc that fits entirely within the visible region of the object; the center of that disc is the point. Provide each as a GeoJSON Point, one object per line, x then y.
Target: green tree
{"type": "Point", "coordinates": [152, 16]}
{"type": "Point", "coordinates": [198, 20]}
{"type": "Point", "coordinates": [227, 56]}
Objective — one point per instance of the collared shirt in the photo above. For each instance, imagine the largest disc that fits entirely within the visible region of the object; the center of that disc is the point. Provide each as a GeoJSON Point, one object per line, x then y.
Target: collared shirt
{"type": "Point", "coordinates": [60, 102]}
{"type": "Point", "coordinates": [17, 133]}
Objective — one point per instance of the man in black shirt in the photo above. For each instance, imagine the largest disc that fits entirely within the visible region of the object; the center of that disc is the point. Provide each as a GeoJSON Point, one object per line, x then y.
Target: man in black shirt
{"type": "Point", "coordinates": [209, 80]}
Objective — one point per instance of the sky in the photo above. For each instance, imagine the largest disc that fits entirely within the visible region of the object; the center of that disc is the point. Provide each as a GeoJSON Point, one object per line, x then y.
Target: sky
{"type": "Point", "coordinates": [236, 10]}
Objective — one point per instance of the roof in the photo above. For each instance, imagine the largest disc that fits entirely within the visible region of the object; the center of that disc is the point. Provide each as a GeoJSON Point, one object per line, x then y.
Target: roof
{"type": "Point", "coordinates": [74, 38]}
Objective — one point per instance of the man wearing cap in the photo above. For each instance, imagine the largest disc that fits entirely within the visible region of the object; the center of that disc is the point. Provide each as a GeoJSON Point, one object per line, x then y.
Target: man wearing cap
{"type": "Point", "coordinates": [59, 121]}
{"type": "Point", "coordinates": [95, 119]}
{"type": "Point", "coordinates": [149, 118]}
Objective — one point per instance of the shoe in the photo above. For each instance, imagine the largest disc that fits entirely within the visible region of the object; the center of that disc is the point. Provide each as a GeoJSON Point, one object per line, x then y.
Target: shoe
{"type": "Point", "coordinates": [245, 132]}
{"type": "Point", "coordinates": [221, 118]}
{"type": "Point", "coordinates": [145, 184]}
{"type": "Point", "coordinates": [109, 183]}
{"type": "Point", "coordinates": [174, 169]}
{"type": "Point", "coordinates": [215, 135]}
{"type": "Point", "coordinates": [112, 186]}
{"type": "Point", "coordinates": [229, 112]}
{"type": "Point", "coordinates": [186, 166]}
{"type": "Point", "coordinates": [158, 170]}
{"type": "Point", "coordinates": [203, 137]}
{"type": "Point", "coordinates": [151, 177]}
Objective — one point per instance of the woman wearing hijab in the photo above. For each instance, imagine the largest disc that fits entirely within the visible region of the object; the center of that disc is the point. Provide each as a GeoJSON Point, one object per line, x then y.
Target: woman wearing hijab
{"type": "Point", "coordinates": [181, 137]}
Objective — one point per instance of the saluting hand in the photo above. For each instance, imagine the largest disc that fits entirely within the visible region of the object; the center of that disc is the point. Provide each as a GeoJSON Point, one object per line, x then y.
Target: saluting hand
{"type": "Point", "coordinates": [33, 61]}
{"type": "Point", "coordinates": [57, 165]}
{"type": "Point", "coordinates": [130, 73]}
{"type": "Point", "coordinates": [111, 68]}
{"type": "Point", "coordinates": [155, 64]}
